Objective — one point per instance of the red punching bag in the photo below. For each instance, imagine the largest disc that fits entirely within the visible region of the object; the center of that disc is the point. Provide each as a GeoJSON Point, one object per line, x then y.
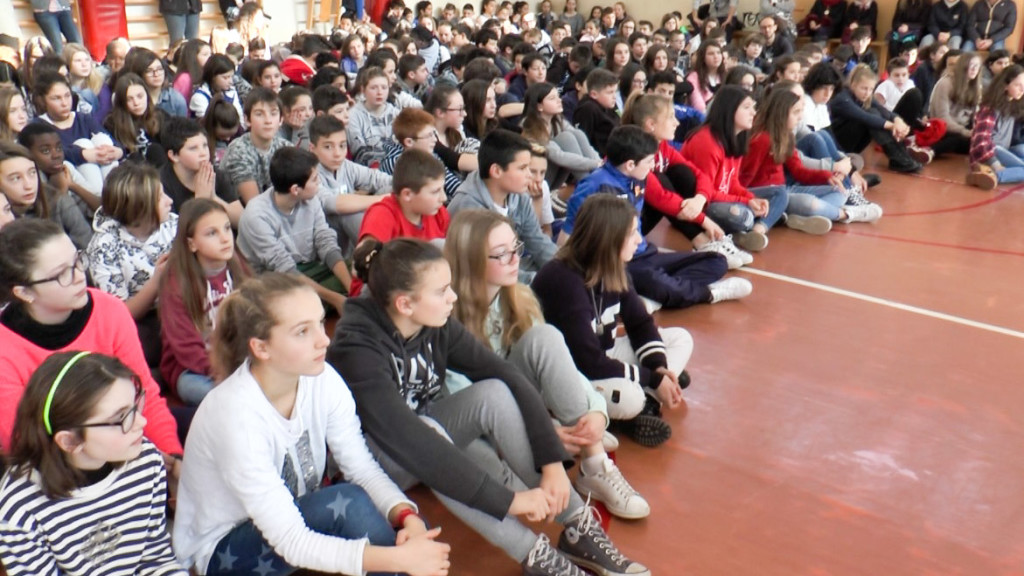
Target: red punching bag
{"type": "Point", "coordinates": [101, 21]}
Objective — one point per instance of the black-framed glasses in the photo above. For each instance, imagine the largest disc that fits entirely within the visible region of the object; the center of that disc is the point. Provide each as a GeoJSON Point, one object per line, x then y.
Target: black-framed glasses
{"type": "Point", "coordinates": [155, 71]}
{"type": "Point", "coordinates": [128, 420]}
{"type": "Point", "coordinates": [460, 109]}
{"type": "Point", "coordinates": [505, 258]}
{"type": "Point", "coordinates": [66, 277]}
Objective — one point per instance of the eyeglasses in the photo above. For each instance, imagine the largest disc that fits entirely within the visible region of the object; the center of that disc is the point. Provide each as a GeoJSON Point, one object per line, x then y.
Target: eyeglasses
{"type": "Point", "coordinates": [128, 420]}
{"type": "Point", "coordinates": [459, 110]}
{"type": "Point", "coordinates": [505, 258]}
{"type": "Point", "coordinates": [155, 71]}
{"type": "Point", "coordinates": [66, 277]}
{"type": "Point", "coordinates": [431, 136]}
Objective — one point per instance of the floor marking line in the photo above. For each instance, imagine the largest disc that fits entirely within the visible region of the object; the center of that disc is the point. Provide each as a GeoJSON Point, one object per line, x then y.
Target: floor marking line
{"type": "Point", "coordinates": [928, 243]}
{"type": "Point", "coordinates": [888, 303]}
{"type": "Point", "coordinates": [1002, 195]}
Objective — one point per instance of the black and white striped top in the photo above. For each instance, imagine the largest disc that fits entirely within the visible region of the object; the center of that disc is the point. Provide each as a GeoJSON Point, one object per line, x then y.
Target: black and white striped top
{"type": "Point", "coordinates": [116, 526]}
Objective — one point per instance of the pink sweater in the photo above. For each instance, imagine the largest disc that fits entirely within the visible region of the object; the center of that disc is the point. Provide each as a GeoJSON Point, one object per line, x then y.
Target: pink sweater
{"type": "Point", "coordinates": [109, 330]}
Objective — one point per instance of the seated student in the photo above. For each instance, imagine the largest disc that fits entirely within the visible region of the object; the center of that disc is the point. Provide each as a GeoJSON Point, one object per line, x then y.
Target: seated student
{"type": "Point", "coordinates": [413, 79]}
{"type": "Point", "coordinates": [595, 114]}
{"type": "Point", "coordinates": [858, 119]}
{"type": "Point", "coordinates": [43, 142]}
{"type": "Point", "coordinates": [824, 21]}
{"type": "Point", "coordinates": [403, 410]}
{"type": "Point", "coordinates": [202, 269]}
{"type": "Point", "coordinates": [483, 252]}
{"type": "Point", "coordinates": [568, 148]}
{"type": "Point", "coordinates": [708, 73]}
{"type": "Point", "coordinates": [414, 129]}
{"type": "Point", "coordinates": [218, 78]}
{"type": "Point", "coordinates": [995, 62]}
{"type": "Point", "coordinates": [299, 67]}
{"type": "Point", "coordinates": [135, 122]}
{"type": "Point", "coordinates": [540, 192]}
{"type": "Point", "coordinates": [370, 121]}
{"type": "Point", "coordinates": [347, 189]}
{"type": "Point", "coordinates": [457, 150]}
{"type": "Point", "coordinates": [14, 112]}
{"type": "Point", "coordinates": [268, 75]}
{"type": "Point", "coordinates": [584, 291]}
{"type": "Point", "coordinates": [22, 185]}
{"type": "Point", "coordinates": [79, 458]}
{"type": "Point", "coordinates": [860, 41]}
{"type": "Point", "coordinates": [993, 158]}
{"type": "Point", "coordinates": [818, 197]}
{"type": "Point", "coordinates": [753, 47]}
{"type": "Point", "coordinates": [717, 149]}
{"type": "Point", "coordinates": [251, 498]}
{"type": "Point", "coordinates": [133, 231]}
{"type": "Point", "coordinates": [860, 15]}
{"type": "Point", "coordinates": [501, 185]}
{"type": "Point", "coordinates": [50, 309]}
{"type": "Point", "coordinates": [189, 173]}
{"type": "Point", "coordinates": [671, 279]}
{"type": "Point", "coordinates": [284, 229]}
{"type": "Point", "coordinates": [247, 160]}
{"type": "Point", "coordinates": [297, 111]}
{"type": "Point", "coordinates": [223, 126]}
{"type": "Point", "coordinates": [927, 73]}
{"type": "Point", "coordinates": [330, 101]}
{"type": "Point", "coordinates": [955, 100]}
{"type": "Point", "coordinates": [87, 145]}
{"type": "Point", "coordinates": [989, 24]}
{"type": "Point", "coordinates": [908, 23]}
{"type": "Point", "coordinates": [353, 55]}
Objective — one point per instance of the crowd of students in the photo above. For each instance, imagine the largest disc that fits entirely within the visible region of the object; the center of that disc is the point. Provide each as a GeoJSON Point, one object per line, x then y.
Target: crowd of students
{"type": "Point", "coordinates": [470, 194]}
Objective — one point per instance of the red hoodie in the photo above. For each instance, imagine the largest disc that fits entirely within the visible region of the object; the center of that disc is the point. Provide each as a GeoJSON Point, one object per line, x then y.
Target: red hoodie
{"type": "Point", "coordinates": [709, 156]}
{"type": "Point", "coordinates": [759, 167]}
{"type": "Point", "coordinates": [665, 201]}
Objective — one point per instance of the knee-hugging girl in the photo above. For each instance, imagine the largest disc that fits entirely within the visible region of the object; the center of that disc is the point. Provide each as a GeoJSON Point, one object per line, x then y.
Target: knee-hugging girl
{"type": "Point", "coordinates": [393, 349]}
{"type": "Point", "coordinates": [717, 150]}
{"type": "Point", "coordinates": [820, 197]}
{"type": "Point", "coordinates": [955, 99]}
{"type": "Point", "coordinates": [250, 499]}
{"type": "Point", "coordinates": [86, 492]}
{"type": "Point", "coordinates": [583, 290]}
{"type": "Point", "coordinates": [673, 186]}
{"type": "Point", "coordinates": [815, 141]}
{"type": "Point", "coordinates": [568, 148]}
{"type": "Point", "coordinates": [203, 268]}
{"type": "Point", "coordinates": [483, 251]}
{"type": "Point", "coordinates": [993, 158]}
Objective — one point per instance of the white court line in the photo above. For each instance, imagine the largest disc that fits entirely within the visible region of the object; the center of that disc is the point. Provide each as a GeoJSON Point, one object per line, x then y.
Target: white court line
{"type": "Point", "coordinates": [884, 302]}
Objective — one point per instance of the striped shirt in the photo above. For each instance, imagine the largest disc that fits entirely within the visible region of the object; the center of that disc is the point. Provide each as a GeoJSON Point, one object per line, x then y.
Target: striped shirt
{"type": "Point", "coordinates": [116, 526]}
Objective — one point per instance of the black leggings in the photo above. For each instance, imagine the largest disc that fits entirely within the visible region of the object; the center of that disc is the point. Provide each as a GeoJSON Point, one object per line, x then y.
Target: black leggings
{"type": "Point", "coordinates": [682, 181]}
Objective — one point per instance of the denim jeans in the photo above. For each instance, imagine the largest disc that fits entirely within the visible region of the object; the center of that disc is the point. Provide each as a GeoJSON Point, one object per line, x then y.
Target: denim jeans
{"type": "Point", "coordinates": [341, 510]}
{"type": "Point", "coordinates": [192, 387]}
{"type": "Point", "coordinates": [823, 200]}
{"type": "Point", "coordinates": [54, 24]}
{"type": "Point", "coordinates": [968, 46]}
{"type": "Point", "coordinates": [953, 43]}
{"type": "Point", "coordinates": [819, 145]}
{"type": "Point", "coordinates": [735, 217]}
{"type": "Point", "coordinates": [182, 26]}
{"type": "Point", "coordinates": [1013, 166]}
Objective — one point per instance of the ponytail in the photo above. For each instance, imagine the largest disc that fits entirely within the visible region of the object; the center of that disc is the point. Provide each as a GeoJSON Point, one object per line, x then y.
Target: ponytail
{"type": "Point", "coordinates": [393, 267]}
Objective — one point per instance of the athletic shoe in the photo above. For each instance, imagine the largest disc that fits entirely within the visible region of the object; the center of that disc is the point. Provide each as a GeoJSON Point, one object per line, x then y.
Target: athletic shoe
{"type": "Point", "coordinates": [752, 241]}
{"type": "Point", "coordinates": [855, 197]}
{"type": "Point", "coordinates": [868, 213]}
{"type": "Point", "coordinates": [609, 486]}
{"type": "Point", "coordinates": [816, 225]}
{"type": "Point", "coordinates": [730, 289]}
{"type": "Point", "coordinates": [587, 544]}
{"type": "Point", "coordinates": [872, 179]}
{"type": "Point", "coordinates": [558, 206]}
{"type": "Point", "coordinates": [684, 379]}
{"type": "Point", "coordinates": [923, 156]}
{"type": "Point", "coordinates": [983, 177]}
{"type": "Point", "coordinates": [648, 428]}
{"type": "Point", "coordinates": [733, 255]}
{"type": "Point", "coordinates": [609, 442]}
{"type": "Point", "coordinates": [545, 560]}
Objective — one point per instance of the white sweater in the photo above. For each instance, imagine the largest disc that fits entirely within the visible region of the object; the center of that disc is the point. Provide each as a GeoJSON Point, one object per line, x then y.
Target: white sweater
{"type": "Point", "coordinates": [243, 461]}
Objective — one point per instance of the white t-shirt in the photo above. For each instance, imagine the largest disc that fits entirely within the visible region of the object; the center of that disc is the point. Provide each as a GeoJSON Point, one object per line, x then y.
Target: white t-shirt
{"type": "Point", "coordinates": [891, 93]}
{"type": "Point", "coordinates": [816, 116]}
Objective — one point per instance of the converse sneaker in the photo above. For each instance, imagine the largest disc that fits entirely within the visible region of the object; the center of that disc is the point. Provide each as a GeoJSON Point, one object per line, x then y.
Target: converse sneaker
{"type": "Point", "coordinates": [587, 544]}
{"type": "Point", "coordinates": [730, 289]}
{"type": "Point", "coordinates": [867, 213]}
{"type": "Point", "coordinates": [923, 156]}
{"type": "Point", "coordinates": [983, 177]}
{"type": "Point", "coordinates": [733, 255]}
{"type": "Point", "coordinates": [648, 428]}
{"type": "Point", "coordinates": [816, 225]}
{"type": "Point", "coordinates": [753, 241]}
{"type": "Point", "coordinates": [610, 487]}
{"type": "Point", "coordinates": [855, 197]}
{"type": "Point", "coordinates": [544, 560]}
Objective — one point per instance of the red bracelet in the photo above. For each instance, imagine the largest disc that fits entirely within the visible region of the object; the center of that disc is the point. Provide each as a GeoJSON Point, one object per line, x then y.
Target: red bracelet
{"type": "Point", "coordinates": [405, 513]}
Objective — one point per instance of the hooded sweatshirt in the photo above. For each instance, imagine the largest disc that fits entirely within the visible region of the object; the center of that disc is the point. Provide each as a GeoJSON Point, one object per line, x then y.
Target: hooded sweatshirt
{"type": "Point", "coordinates": [394, 380]}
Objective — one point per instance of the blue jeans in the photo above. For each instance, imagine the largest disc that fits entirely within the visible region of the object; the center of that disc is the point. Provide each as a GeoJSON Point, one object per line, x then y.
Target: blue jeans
{"type": "Point", "coordinates": [953, 43]}
{"type": "Point", "coordinates": [244, 551]}
{"type": "Point", "coordinates": [736, 217]}
{"type": "Point", "coordinates": [182, 26]}
{"type": "Point", "coordinates": [823, 200]}
{"type": "Point", "coordinates": [192, 387]}
{"type": "Point", "coordinates": [819, 145]}
{"type": "Point", "coordinates": [1013, 166]}
{"type": "Point", "coordinates": [968, 46]}
{"type": "Point", "coordinates": [54, 24]}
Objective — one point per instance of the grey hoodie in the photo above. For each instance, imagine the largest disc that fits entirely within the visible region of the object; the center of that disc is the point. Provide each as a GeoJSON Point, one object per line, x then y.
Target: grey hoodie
{"type": "Point", "coordinates": [540, 248]}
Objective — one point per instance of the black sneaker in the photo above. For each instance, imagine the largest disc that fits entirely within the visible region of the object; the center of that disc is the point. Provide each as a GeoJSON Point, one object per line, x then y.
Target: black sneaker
{"type": "Point", "coordinates": [872, 179]}
{"type": "Point", "coordinates": [587, 544]}
{"type": "Point", "coordinates": [544, 560]}
{"type": "Point", "coordinates": [648, 428]}
{"type": "Point", "coordinates": [684, 379]}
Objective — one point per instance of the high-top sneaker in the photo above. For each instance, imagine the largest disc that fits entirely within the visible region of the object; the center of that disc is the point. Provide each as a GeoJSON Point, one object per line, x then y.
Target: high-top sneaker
{"type": "Point", "coordinates": [545, 560]}
{"type": "Point", "coordinates": [587, 544]}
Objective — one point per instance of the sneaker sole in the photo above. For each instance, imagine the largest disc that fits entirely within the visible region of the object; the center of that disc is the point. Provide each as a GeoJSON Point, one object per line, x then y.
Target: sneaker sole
{"type": "Point", "coordinates": [982, 180]}
{"type": "Point", "coordinates": [650, 431]}
{"type": "Point", "coordinates": [597, 568]}
{"type": "Point", "coordinates": [920, 156]}
{"type": "Point", "coordinates": [751, 242]}
{"type": "Point", "coordinates": [906, 169]}
{"type": "Point", "coordinates": [809, 224]}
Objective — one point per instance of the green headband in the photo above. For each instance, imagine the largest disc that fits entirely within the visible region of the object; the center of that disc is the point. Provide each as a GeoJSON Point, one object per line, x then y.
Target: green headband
{"type": "Point", "coordinates": [53, 389]}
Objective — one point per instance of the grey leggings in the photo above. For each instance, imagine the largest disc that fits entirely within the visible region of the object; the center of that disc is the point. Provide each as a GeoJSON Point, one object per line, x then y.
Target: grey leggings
{"type": "Point", "coordinates": [484, 420]}
{"type": "Point", "coordinates": [572, 142]}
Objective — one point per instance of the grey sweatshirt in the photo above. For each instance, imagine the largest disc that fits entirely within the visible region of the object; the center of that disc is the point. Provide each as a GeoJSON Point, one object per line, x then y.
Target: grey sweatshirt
{"type": "Point", "coordinates": [271, 240]}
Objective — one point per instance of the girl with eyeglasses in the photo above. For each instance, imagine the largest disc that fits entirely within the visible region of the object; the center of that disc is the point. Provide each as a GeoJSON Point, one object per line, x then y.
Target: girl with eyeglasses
{"type": "Point", "coordinates": [86, 492]}
{"type": "Point", "coordinates": [457, 151]}
{"type": "Point", "coordinates": [483, 251]}
{"type": "Point", "coordinates": [148, 66]}
{"type": "Point", "coordinates": [49, 309]}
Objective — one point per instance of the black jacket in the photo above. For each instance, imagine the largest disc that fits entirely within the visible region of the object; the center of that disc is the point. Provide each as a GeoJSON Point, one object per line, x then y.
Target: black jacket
{"type": "Point", "coordinates": [596, 121]}
{"type": "Point", "coordinates": [180, 6]}
{"type": "Point", "coordinates": [991, 22]}
{"type": "Point", "coordinates": [943, 18]}
{"type": "Point", "coordinates": [394, 380]}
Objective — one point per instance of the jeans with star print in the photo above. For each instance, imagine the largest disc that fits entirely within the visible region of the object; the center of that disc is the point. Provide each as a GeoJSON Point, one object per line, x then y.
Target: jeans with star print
{"type": "Point", "coordinates": [343, 510]}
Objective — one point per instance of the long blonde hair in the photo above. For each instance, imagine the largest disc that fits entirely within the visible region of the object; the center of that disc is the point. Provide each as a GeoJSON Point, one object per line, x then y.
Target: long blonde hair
{"type": "Point", "coordinates": [466, 249]}
{"type": "Point", "coordinates": [94, 81]}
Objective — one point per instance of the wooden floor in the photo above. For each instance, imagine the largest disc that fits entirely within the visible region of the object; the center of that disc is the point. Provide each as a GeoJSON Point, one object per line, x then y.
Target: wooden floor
{"type": "Point", "coordinates": [859, 414]}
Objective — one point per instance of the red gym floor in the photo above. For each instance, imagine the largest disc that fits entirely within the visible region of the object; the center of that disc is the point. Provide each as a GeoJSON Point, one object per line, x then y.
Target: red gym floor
{"type": "Point", "coordinates": [859, 414]}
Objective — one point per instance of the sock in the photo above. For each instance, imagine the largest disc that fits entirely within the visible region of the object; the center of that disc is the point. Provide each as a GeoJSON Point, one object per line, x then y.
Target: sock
{"type": "Point", "coordinates": [593, 464]}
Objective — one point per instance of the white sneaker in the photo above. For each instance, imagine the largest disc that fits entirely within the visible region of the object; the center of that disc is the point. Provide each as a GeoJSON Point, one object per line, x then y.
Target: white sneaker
{"type": "Point", "coordinates": [609, 442]}
{"type": "Point", "coordinates": [733, 255]}
{"type": "Point", "coordinates": [867, 213]}
{"type": "Point", "coordinates": [730, 289]}
{"type": "Point", "coordinates": [816, 225]}
{"type": "Point", "coordinates": [608, 486]}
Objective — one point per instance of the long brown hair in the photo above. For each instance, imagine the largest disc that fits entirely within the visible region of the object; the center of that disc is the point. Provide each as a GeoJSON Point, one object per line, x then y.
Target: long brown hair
{"type": "Point", "coordinates": [535, 127]}
{"type": "Point", "coordinates": [773, 119]}
{"type": "Point", "coordinates": [7, 96]}
{"type": "Point", "coordinates": [595, 245]}
{"type": "Point", "coordinates": [440, 99]}
{"type": "Point", "coordinates": [701, 68]}
{"type": "Point", "coordinates": [466, 249]}
{"type": "Point", "coordinates": [41, 207]}
{"type": "Point", "coordinates": [123, 125]}
{"type": "Point", "coordinates": [185, 267]}
{"type": "Point", "coordinates": [966, 92]}
{"type": "Point", "coordinates": [995, 96]}
{"type": "Point", "coordinates": [32, 447]}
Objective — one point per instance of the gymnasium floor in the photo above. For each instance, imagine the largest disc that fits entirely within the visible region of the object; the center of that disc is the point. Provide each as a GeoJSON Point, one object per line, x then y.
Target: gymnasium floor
{"type": "Point", "coordinates": [858, 414]}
